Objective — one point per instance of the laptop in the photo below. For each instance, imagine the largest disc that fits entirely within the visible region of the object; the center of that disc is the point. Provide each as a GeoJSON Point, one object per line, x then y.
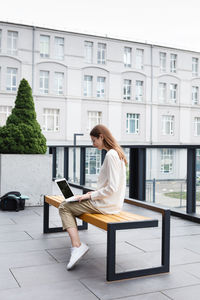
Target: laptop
{"type": "Point", "coordinates": [66, 190]}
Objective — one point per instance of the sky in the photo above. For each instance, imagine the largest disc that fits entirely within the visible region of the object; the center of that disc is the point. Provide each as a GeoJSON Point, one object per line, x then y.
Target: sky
{"type": "Point", "coordinates": [173, 23]}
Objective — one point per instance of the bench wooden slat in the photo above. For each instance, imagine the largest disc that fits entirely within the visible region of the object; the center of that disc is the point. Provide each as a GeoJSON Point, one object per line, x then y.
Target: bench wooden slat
{"type": "Point", "coordinates": [99, 220]}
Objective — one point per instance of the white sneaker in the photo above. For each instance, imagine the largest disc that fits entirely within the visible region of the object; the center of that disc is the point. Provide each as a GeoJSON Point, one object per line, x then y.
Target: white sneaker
{"type": "Point", "coordinates": [76, 254]}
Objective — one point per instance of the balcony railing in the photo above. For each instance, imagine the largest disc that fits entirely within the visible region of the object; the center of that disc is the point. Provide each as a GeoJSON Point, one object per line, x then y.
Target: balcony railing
{"type": "Point", "coordinates": [168, 175]}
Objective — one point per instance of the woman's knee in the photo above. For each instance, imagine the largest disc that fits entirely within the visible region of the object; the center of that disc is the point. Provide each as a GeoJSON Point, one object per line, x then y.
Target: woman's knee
{"type": "Point", "coordinates": [63, 207]}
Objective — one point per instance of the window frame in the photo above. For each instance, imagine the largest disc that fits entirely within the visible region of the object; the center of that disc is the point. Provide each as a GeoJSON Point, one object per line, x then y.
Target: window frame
{"type": "Point", "coordinates": [13, 77]}
{"type": "Point", "coordinates": [44, 46]}
{"type": "Point", "coordinates": [44, 90]}
{"type": "Point", "coordinates": [135, 117]}
{"type": "Point", "coordinates": [168, 119]}
{"type": "Point", "coordinates": [101, 53]}
{"type": "Point", "coordinates": [51, 112]}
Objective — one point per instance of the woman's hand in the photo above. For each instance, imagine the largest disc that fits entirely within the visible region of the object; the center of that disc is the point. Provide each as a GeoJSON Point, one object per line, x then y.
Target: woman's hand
{"type": "Point", "coordinates": [84, 197]}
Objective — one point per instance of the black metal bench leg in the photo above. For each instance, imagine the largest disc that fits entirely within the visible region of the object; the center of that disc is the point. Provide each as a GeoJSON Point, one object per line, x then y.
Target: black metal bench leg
{"type": "Point", "coordinates": [111, 252]}
{"type": "Point", "coordinates": [84, 226]}
{"type": "Point", "coordinates": [46, 217]}
{"type": "Point", "coordinates": [46, 228]}
{"type": "Point", "coordinates": [111, 274]}
{"type": "Point", "coordinates": [166, 240]}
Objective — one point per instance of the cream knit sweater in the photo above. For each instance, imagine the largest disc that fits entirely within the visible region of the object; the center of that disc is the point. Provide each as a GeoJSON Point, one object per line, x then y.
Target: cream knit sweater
{"type": "Point", "coordinates": [111, 185]}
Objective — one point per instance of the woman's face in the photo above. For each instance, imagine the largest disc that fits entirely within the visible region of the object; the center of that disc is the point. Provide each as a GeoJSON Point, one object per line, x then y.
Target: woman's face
{"type": "Point", "coordinates": [98, 142]}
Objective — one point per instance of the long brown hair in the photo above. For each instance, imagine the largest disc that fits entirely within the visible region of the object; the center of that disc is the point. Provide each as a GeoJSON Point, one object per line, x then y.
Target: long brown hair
{"type": "Point", "coordinates": [108, 140]}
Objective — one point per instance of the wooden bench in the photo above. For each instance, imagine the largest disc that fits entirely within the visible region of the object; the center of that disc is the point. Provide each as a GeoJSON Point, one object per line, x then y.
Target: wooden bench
{"type": "Point", "coordinates": [112, 223]}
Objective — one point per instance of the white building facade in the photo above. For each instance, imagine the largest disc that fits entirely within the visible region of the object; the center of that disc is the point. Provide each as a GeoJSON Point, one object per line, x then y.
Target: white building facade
{"type": "Point", "coordinates": [145, 94]}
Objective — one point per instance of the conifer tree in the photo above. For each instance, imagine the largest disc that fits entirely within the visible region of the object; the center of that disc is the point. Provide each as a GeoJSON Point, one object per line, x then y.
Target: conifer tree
{"type": "Point", "coordinates": [22, 133]}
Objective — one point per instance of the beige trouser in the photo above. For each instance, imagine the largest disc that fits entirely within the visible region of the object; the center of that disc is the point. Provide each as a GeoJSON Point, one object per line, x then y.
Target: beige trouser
{"type": "Point", "coordinates": [69, 210]}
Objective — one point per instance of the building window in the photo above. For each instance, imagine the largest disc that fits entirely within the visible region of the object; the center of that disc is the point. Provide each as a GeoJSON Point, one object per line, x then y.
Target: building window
{"type": "Point", "coordinates": [132, 123]}
{"type": "Point", "coordinates": [94, 118]}
{"type": "Point", "coordinates": [59, 48]}
{"type": "Point", "coordinates": [195, 95]}
{"type": "Point", "coordinates": [127, 56]}
{"type": "Point", "coordinates": [44, 82]}
{"type": "Point", "coordinates": [5, 111]}
{"type": "Point", "coordinates": [11, 83]}
{"type": "Point", "coordinates": [12, 42]}
{"type": "Point", "coordinates": [44, 45]}
{"type": "Point", "coordinates": [173, 92]}
{"type": "Point", "coordinates": [139, 90]}
{"type": "Point", "coordinates": [162, 62]}
{"type": "Point", "coordinates": [101, 87]}
{"type": "Point", "coordinates": [58, 83]}
{"type": "Point", "coordinates": [197, 126]}
{"type": "Point", "coordinates": [167, 157]}
{"type": "Point", "coordinates": [195, 66]}
{"type": "Point", "coordinates": [173, 63]}
{"type": "Point", "coordinates": [87, 86]}
{"type": "Point", "coordinates": [88, 46]}
{"type": "Point", "coordinates": [50, 119]}
{"type": "Point", "coordinates": [162, 92]}
{"type": "Point", "coordinates": [101, 53]}
{"type": "Point", "coordinates": [127, 89]}
{"type": "Point", "coordinates": [139, 59]}
{"type": "Point", "coordinates": [93, 161]}
{"type": "Point", "coordinates": [167, 125]}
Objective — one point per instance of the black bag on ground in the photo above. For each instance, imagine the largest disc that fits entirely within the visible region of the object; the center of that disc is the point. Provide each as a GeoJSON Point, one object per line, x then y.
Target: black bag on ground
{"type": "Point", "coordinates": [13, 201]}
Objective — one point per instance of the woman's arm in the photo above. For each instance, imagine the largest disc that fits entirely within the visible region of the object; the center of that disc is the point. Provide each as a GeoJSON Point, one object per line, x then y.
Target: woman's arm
{"type": "Point", "coordinates": [113, 174]}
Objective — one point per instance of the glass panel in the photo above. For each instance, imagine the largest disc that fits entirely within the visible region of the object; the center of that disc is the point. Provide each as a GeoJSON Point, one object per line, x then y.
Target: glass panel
{"type": "Point", "coordinates": [92, 167]}
{"type": "Point", "coordinates": [74, 165]}
{"type": "Point", "coordinates": [59, 162]}
{"type": "Point", "coordinates": [166, 177]}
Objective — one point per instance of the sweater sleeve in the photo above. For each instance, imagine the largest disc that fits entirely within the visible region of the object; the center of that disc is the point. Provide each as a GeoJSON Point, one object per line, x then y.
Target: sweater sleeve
{"type": "Point", "coordinates": [113, 170]}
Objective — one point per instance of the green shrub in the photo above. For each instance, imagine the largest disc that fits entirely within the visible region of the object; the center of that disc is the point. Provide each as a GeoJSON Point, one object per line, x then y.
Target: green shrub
{"type": "Point", "coordinates": [22, 133]}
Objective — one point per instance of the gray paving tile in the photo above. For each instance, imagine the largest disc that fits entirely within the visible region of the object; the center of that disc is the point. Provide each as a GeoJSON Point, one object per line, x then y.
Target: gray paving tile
{"type": "Point", "coordinates": [185, 230]}
{"type": "Point", "coordinates": [95, 251]}
{"type": "Point", "coordinates": [34, 245]}
{"type": "Point", "coordinates": [51, 273]}
{"type": "Point", "coordinates": [193, 269]}
{"type": "Point", "coordinates": [68, 289]}
{"type": "Point", "coordinates": [153, 259]}
{"type": "Point", "coordinates": [7, 281]}
{"type": "Point", "coordinates": [23, 259]}
{"type": "Point", "coordinates": [146, 245]}
{"type": "Point", "coordinates": [14, 236]}
{"type": "Point", "coordinates": [188, 292]}
{"type": "Point", "coordinates": [13, 227]}
{"type": "Point", "coordinates": [27, 219]}
{"type": "Point", "coordinates": [137, 286]}
{"type": "Point", "coordinates": [151, 296]}
{"type": "Point", "coordinates": [6, 221]}
{"type": "Point", "coordinates": [183, 256]}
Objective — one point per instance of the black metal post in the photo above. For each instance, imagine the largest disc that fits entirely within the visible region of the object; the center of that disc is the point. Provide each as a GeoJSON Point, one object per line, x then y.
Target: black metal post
{"type": "Point", "coordinates": [54, 162]}
{"type": "Point", "coordinates": [191, 180]}
{"type": "Point", "coordinates": [82, 166]}
{"type": "Point", "coordinates": [103, 154]}
{"type": "Point", "coordinates": [66, 164]}
{"type": "Point", "coordinates": [137, 174]}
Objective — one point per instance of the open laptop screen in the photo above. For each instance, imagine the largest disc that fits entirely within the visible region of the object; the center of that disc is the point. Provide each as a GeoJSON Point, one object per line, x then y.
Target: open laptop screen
{"type": "Point", "coordinates": [65, 189]}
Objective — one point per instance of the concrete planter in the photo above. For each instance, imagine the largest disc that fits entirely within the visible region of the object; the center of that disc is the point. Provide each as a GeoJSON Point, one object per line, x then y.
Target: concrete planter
{"type": "Point", "coordinates": [30, 174]}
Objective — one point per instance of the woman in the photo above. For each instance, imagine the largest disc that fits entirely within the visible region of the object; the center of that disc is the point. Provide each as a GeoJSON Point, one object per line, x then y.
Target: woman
{"type": "Point", "coordinates": [107, 199]}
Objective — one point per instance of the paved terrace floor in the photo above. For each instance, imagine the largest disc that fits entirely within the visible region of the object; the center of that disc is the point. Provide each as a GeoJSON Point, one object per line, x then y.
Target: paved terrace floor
{"type": "Point", "coordinates": [33, 265]}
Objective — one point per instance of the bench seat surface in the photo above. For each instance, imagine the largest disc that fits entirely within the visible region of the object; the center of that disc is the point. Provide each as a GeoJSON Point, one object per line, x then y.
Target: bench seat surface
{"type": "Point", "coordinates": [99, 220]}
